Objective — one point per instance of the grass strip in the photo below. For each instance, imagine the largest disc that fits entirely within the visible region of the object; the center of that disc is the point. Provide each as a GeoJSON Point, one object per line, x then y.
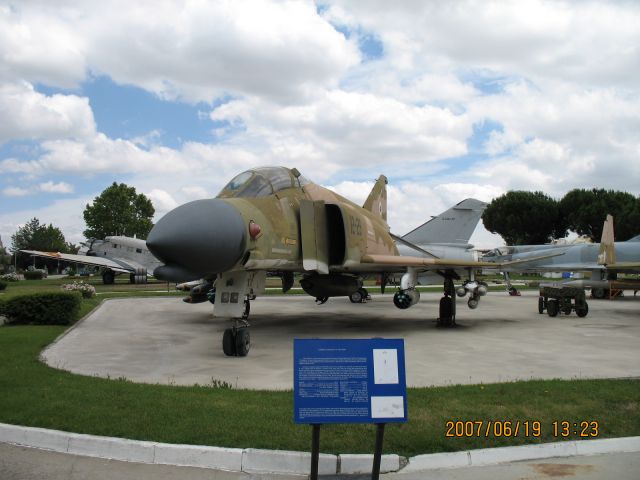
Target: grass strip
{"type": "Point", "coordinates": [34, 394]}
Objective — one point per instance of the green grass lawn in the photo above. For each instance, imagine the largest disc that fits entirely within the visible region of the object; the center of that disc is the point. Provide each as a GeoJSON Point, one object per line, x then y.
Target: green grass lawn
{"type": "Point", "coordinates": [34, 394]}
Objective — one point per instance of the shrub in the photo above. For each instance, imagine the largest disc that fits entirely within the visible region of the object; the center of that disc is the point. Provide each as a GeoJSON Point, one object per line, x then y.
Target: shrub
{"type": "Point", "coordinates": [3, 285]}
{"type": "Point", "coordinates": [33, 275]}
{"type": "Point", "coordinates": [10, 277]}
{"type": "Point", "coordinates": [55, 308]}
{"type": "Point", "coordinates": [85, 289]}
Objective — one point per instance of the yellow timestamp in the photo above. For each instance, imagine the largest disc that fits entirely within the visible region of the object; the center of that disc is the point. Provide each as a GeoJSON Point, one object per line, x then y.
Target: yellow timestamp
{"type": "Point", "coordinates": [524, 428]}
{"type": "Point", "coordinates": [582, 429]}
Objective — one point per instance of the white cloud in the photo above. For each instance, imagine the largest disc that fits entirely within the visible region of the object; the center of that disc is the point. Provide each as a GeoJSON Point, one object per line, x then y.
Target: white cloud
{"type": "Point", "coordinates": [15, 192]}
{"type": "Point", "coordinates": [51, 187]}
{"type": "Point", "coordinates": [558, 80]}
{"type": "Point", "coordinates": [64, 214]}
{"type": "Point", "coordinates": [593, 43]}
{"type": "Point", "coordinates": [194, 50]}
{"type": "Point", "coordinates": [195, 192]}
{"type": "Point", "coordinates": [39, 45]}
{"type": "Point", "coordinates": [349, 129]}
{"type": "Point", "coordinates": [27, 114]}
{"type": "Point", "coordinates": [162, 201]}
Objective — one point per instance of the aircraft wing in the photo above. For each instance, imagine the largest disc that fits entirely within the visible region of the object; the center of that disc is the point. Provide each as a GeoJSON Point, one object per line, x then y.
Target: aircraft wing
{"type": "Point", "coordinates": [400, 262]}
{"type": "Point", "coordinates": [117, 265]}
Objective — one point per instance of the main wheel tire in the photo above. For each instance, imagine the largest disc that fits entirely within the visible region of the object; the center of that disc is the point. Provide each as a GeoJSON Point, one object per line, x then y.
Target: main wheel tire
{"type": "Point", "coordinates": [243, 342]}
{"type": "Point", "coordinates": [356, 297]}
{"type": "Point", "coordinates": [229, 343]}
{"type": "Point", "coordinates": [446, 309]}
{"type": "Point", "coordinates": [553, 308]}
{"type": "Point", "coordinates": [599, 293]}
{"type": "Point", "coordinates": [566, 308]}
{"type": "Point", "coordinates": [582, 311]}
{"type": "Point", "coordinates": [540, 305]}
{"type": "Point", "coordinates": [108, 278]}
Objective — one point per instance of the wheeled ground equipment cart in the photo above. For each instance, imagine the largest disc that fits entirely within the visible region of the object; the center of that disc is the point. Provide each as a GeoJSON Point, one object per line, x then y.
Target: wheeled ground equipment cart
{"type": "Point", "coordinates": [556, 300]}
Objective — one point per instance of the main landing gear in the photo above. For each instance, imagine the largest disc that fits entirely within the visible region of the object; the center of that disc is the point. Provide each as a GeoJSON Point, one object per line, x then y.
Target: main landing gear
{"type": "Point", "coordinates": [360, 296]}
{"type": "Point", "coordinates": [447, 311]}
{"type": "Point", "coordinates": [236, 340]}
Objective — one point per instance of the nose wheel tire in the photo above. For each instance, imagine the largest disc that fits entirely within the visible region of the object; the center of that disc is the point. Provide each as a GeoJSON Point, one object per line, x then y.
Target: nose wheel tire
{"type": "Point", "coordinates": [229, 343]}
{"type": "Point", "coordinates": [236, 342]}
{"type": "Point", "coordinates": [243, 342]}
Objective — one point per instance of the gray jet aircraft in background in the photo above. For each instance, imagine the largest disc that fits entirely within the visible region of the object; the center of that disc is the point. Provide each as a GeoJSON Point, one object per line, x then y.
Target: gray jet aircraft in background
{"type": "Point", "coordinates": [602, 260]}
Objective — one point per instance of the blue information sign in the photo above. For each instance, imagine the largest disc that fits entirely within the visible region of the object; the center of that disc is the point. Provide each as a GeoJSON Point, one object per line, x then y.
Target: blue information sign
{"type": "Point", "coordinates": [349, 381]}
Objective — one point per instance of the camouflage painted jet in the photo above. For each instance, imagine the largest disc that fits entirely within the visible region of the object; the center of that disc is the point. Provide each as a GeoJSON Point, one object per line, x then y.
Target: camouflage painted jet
{"type": "Point", "coordinates": [273, 220]}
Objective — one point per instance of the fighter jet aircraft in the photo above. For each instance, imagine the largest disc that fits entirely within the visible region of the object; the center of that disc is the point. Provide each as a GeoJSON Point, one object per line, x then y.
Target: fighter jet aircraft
{"type": "Point", "coordinates": [603, 260]}
{"type": "Point", "coordinates": [114, 254]}
{"type": "Point", "coordinates": [274, 220]}
{"type": "Point", "coordinates": [447, 236]}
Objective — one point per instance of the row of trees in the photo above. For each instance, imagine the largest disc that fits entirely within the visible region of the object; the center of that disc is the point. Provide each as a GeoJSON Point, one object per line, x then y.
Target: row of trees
{"type": "Point", "coordinates": [525, 218]}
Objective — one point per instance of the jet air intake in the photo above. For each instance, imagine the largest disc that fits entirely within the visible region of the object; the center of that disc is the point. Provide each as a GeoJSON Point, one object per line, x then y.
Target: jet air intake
{"type": "Point", "coordinates": [198, 239]}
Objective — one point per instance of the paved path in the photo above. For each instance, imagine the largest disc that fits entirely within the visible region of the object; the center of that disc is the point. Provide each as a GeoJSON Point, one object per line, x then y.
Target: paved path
{"type": "Point", "coordinates": [163, 340]}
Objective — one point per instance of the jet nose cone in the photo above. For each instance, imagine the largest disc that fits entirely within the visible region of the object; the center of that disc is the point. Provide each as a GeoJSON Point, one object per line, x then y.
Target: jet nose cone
{"type": "Point", "coordinates": [203, 237]}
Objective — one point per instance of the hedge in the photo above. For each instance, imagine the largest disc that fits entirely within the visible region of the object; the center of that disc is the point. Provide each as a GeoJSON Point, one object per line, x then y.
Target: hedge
{"type": "Point", "coordinates": [54, 308]}
{"type": "Point", "coordinates": [33, 275]}
{"type": "Point", "coordinates": [3, 285]}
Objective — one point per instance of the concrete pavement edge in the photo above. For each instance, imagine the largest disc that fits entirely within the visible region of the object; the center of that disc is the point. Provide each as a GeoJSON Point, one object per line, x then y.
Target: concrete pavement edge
{"type": "Point", "coordinates": [293, 463]}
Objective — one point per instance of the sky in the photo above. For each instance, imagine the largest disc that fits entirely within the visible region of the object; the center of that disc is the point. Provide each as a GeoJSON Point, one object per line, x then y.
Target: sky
{"type": "Point", "coordinates": [449, 100]}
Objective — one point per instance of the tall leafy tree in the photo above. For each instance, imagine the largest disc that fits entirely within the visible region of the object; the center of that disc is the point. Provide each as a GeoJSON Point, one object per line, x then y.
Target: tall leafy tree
{"type": "Point", "coordinates": [119, 210]}
{"type": "Point", "coordinates": [5, 258]}
{"type": "Point", "coordinates": [34, 236]}
{"type": "Point", "coordinates": [584, 212]}
{"type": "Point", "coordinates": [524, 218]}
{"type": "Point", "coordinates": [627, 225]}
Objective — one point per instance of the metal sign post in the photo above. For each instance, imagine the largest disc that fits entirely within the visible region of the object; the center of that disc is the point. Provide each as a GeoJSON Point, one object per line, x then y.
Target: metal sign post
{"type": "Point", "coordinates": [349, 381]}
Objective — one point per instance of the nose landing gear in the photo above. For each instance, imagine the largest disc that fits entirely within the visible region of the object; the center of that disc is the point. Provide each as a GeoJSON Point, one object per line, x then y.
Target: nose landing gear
{"type": "Point", "coordinates": [236, 340]}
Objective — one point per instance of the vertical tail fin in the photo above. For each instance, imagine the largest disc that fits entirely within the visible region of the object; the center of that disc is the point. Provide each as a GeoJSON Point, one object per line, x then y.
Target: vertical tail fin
{"type": "Point", "coordinates": [455, 226]}
{"type": "Point", "coordinates": [607, 255]}
{"type": "Point", "coordinates": [377, 200]}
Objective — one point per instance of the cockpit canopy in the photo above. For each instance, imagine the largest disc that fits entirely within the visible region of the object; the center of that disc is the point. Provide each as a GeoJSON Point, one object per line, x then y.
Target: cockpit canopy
{"type": "Point", "coordinates": [262, 182]}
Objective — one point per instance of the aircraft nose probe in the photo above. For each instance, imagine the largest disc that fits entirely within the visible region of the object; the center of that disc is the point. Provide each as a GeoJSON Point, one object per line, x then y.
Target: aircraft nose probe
{"type": "Point", "coordinates": [198, 239]}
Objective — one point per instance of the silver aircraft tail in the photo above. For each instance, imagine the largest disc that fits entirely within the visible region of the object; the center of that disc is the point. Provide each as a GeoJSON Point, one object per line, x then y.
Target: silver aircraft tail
{"type": "Point", "coordinates": [453, 227]}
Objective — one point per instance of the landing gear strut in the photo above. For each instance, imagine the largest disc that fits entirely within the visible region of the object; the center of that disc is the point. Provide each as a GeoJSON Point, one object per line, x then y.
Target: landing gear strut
{"type": "Point", "coordinates": [447, 316]}
{"type": "Point", "coordinates": [236, 340]}
{"type": "Point", "coordinates": [511, 290]}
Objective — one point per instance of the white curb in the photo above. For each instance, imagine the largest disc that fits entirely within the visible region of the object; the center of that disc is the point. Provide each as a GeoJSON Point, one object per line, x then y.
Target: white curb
{"type": "Point", "coordinates": [493, 456]}
{"type": "Point", "coordinates": [353, 463]}
{"type": "Point", "coordinates": [254, 461]}
{"type": "Point", "coordinates": [281, 461]}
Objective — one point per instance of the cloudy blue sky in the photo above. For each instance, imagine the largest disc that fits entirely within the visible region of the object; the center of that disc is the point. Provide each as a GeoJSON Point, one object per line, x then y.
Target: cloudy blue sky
{"type": "Point", "coordinates": [448, 99]}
